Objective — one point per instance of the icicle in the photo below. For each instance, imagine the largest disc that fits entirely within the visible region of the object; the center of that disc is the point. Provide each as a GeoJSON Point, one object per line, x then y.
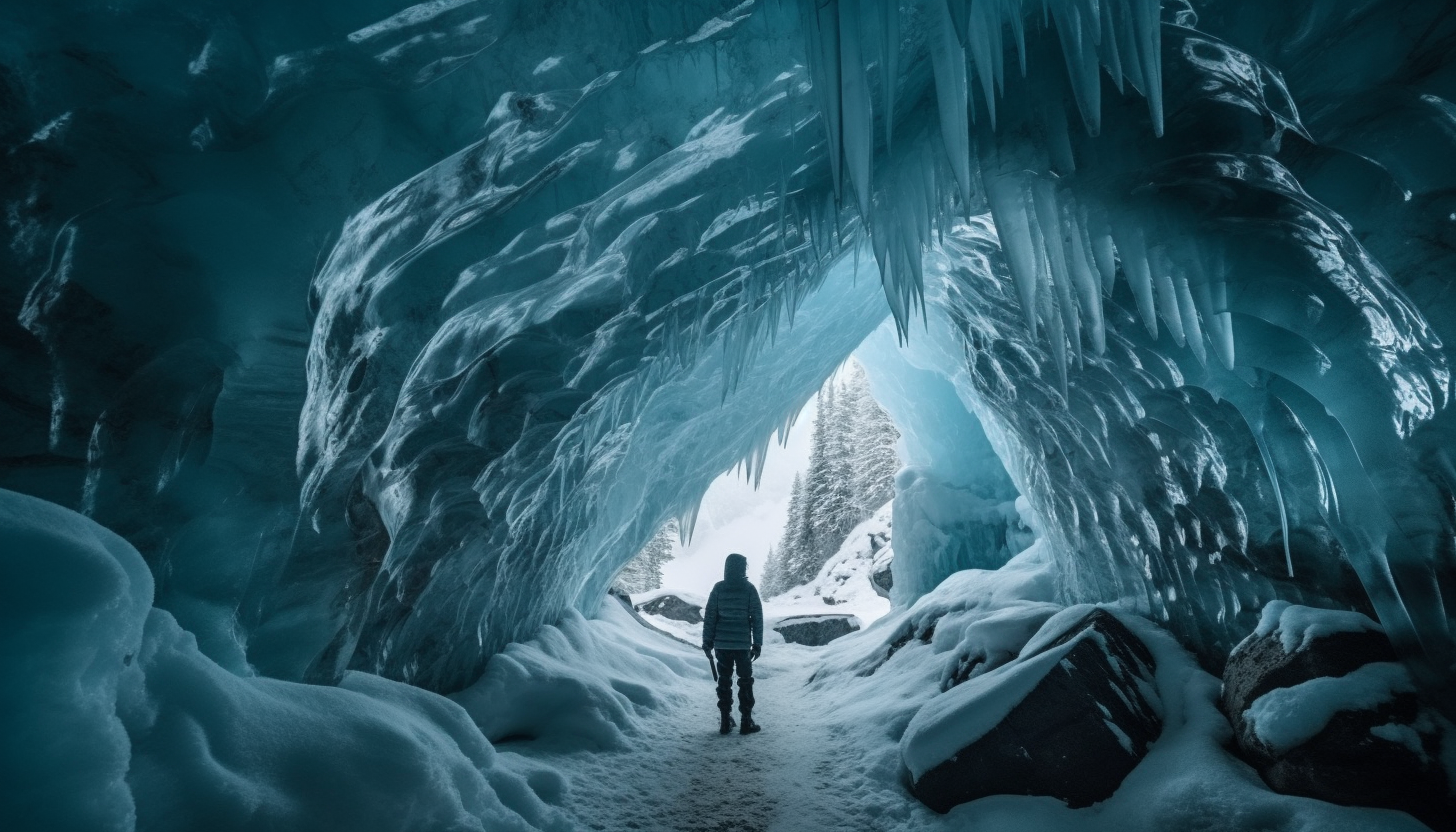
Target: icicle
{"type": "Point", "coordinates": [889, 61]}
{"type": "Point", "coordinates": [1008, 212]}
{"type": "Point", "coordinates": [1149, 34]}
{"type": "Point", "coordinates": [1190, 318]}
{"type": "Point", "coordinates": [1268, 457]}
{"type": "Point", "coordinates": [948, 60]}
{"type": "Point", "coordinates": [1111, 56]}
{"type": "Point", "coordinates": [1221, 323]}
{"type": "Point", "coordinates": [1079, 266]}
{"type": "Point", "coordinates": [1135, 267]}
{"type": "Point", "coordinates": [822, 22]}
{"type": "Point", "coordinates": [1044, 203]}
{"type": "Point", "coordinates": [1126, 34]}
{"type": "Point", "coordinates": [1099, 238]}
{"type": "Point", "coordinates": [858, 128]}
{"type": "Point", "coordinates": [1058, 139]}
{"type": "Point", "coordinates": [1167, 296]}
{"type": "Point", "coordinates": [1080, 55]}
{"type": "Point", "coordinates": [959, 11]}
{"type": "Point", "coordinates": [985, 47]}
{"type": "Point", "coordinates": [1012, 13]}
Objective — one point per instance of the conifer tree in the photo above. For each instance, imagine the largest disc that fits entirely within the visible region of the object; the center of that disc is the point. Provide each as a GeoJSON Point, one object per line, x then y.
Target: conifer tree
{"type": "Point", "coordinates": [874, 461]}
{"type": "Point", "coordinates": [643, 573]}
{"type": "Point", "coordinates": [851, 473]}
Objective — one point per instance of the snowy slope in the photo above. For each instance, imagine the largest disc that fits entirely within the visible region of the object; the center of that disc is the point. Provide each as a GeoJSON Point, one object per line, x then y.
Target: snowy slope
{"type": "Point", "coordinates": [842, 585]}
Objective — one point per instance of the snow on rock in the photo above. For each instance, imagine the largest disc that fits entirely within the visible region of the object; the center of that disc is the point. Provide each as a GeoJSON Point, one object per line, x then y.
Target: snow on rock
{"type": "Point", "coordinates": [869, 685]}
{"type": "Point", "coordinates": [1068, 719]}
{"type": "Point", "coordinates": [1298, 626]}
{"type": "Point", "coordinates": [676, 606]}
{"type": "Point", "coordinates": [882, 571]}
{"type": "Point", "coordinates": [815, 630]}
{"type": "Point", "coordinates": [1286, 718]}
{"type": "Point", "coordinates": [114, 720]}
{"type": "Point", "coordinates": [1321, 707]}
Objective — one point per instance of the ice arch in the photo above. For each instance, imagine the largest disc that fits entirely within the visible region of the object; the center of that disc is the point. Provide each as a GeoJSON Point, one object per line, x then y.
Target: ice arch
{"type": "Point", "coordinates": [1198, 304]}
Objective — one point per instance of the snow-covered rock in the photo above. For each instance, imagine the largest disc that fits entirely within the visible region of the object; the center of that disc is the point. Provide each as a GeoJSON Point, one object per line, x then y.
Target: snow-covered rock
{"type": "Point", "coordinates": [815, 630]}
{"type": "Point", "coordinates": [1322, 707]}
{"type": "Point", "coordinates": [1070, 718]}
{"type": "Point", "coordinates": [882, 572]}
{"type": "Point", "coordinates": [673, 606]}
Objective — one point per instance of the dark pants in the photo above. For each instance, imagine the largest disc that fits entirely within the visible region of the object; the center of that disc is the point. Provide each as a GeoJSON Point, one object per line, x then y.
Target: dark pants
{"type": "Point", "coordinates": [727, 660]}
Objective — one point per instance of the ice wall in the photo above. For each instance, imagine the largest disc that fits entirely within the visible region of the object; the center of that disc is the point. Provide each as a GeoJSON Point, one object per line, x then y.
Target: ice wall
{"type": "Point", "coordinates": [387, 332]}
{"type": "Point", "coordinates": [955, 505]}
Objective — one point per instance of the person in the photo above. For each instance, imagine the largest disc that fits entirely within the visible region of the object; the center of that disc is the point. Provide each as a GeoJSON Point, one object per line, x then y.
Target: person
{"type": "Point", "coordinates": [733, 627]}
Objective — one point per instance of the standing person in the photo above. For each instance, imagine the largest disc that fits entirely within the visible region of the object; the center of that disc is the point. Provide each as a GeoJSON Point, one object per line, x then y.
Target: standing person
{"type": "Point", "coordinates": [733, 626]}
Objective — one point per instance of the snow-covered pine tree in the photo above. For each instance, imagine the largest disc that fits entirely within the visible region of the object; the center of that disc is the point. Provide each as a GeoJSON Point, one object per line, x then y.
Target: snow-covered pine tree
{"type": "Point", "coordinates": [851, 473]}
{"type": "Point", "coordinates": [770, 568]}
{"type": "Point", "coordinates": [839, 512]}
{"type": "Point", "coordinates": [874, 462]}
{"type": "Point", "coordinates": [819, 494]}
{"type": "Point", "coordinates": [775, 572]}
{"type": "Point", "coordinates": [643, 573]}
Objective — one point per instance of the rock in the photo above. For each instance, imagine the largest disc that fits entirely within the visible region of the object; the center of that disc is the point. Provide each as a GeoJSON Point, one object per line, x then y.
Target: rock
{"type": "Point", "coordinates": [1322, 708]}
{"type": "Point", "coordinates": [816, 630]}
{"type": "Point", "coordinates": [882, 576]}
{"type": "Point", "coordinates": [882, 581]}
{"type": "Point", "coordinates": [1082, 712]}
{"type": "Point", "coordinates": [671, 606]}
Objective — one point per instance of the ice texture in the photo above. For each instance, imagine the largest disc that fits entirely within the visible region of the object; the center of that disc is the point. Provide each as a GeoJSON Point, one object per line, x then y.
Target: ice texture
{"type": "Point", "coordinates": [388, 332]}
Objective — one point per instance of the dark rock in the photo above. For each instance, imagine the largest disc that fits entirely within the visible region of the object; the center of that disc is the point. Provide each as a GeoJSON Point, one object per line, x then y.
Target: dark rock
{"type": "Point", "coordinates": [1385, 756]}
{"type": "Point", "coordinates": [671, 606]}
{"type": "Point", "coordinates": [1074, 736]}
{"type": "Point", "coordinates": [816, 630]}
{"type": "Point", "coordinates": [883, 580]}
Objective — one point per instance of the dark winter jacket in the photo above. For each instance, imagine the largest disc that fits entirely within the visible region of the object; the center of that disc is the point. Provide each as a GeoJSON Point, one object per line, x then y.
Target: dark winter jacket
{"type": "Point", "coordinates": [734, 617]}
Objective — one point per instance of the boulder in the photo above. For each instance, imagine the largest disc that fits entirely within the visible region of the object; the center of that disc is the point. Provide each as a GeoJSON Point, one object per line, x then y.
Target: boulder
{"type": "Point", "coordinates": [883, 580]}
{"type": "Point", "coordinates": [1321, 707]}
{"type": "Point", "coordinates": [671, 606]}
{"type": "Point", "coordinates": [815, 630]}
{"type": "Point", "coordinates": [1069, 718]}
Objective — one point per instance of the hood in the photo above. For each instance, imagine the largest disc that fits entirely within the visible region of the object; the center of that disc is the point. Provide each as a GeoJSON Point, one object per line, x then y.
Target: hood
{"type": "Point", "coordinates": [735, 568]}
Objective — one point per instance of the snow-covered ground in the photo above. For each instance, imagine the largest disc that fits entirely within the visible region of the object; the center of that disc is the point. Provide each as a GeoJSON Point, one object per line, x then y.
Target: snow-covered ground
{"type": "Point", "coordinates": [830, 755]}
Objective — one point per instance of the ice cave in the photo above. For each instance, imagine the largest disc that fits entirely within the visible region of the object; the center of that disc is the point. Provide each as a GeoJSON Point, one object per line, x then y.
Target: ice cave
{"type": "Point", "coordinates": [353, 350]}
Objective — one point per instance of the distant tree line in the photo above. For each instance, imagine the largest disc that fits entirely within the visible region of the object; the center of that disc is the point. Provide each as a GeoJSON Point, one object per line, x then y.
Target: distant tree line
{"type": "Point", "coordinates": [851, 473]}
{"type": "Point", "coordinates": [643, 573]}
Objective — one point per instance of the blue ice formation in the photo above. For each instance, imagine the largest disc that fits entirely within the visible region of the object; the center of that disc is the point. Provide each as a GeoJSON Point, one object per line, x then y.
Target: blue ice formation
{"type": "Point", "coordinates": [387, 333]}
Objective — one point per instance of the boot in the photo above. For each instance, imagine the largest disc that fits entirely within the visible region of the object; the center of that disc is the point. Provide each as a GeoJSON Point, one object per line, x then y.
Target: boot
{"type": "Point", "coordinates": [725, 724]}
{"type": "Point", "coordinates": [749, 726]}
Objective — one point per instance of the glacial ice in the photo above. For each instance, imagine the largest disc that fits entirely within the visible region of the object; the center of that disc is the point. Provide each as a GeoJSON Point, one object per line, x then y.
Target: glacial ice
{"type": "Point", "coordinates": [387, 333]}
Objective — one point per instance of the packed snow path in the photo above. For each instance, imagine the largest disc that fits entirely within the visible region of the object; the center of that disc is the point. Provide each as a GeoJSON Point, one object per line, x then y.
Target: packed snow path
{"type": "Point", "coordinates": [689, 778]}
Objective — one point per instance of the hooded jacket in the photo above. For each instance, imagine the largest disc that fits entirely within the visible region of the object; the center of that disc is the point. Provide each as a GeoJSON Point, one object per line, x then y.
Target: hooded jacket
{"type": "Point", "coordinates": [733, 619]}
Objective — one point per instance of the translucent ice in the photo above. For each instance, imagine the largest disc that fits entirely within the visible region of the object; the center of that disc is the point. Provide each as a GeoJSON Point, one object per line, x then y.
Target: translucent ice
{"type": "Point", "coordinates": [387, 333]}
